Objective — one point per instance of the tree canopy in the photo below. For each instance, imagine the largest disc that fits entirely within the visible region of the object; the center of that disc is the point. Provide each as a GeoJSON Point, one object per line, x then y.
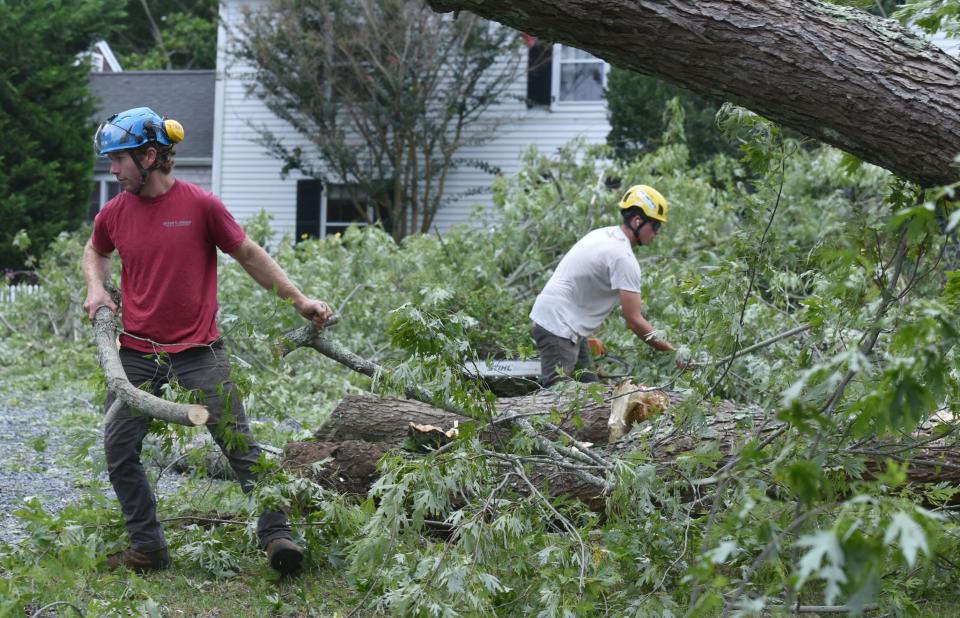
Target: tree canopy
{"type": "Point", "coordinates": [167, 34]}
{"type": "Point", "coordinates": [387, 92]}
{"type": "Point", "coordinates": [639, 116]}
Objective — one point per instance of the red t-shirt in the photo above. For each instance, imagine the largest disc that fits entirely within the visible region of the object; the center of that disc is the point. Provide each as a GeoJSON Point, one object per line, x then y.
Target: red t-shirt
{"type": "Point", "coordinates": [168, 250]}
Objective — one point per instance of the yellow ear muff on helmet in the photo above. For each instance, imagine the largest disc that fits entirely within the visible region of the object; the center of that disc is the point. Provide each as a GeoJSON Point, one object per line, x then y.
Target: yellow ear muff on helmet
{"type": "Point", "coordinates": [647, 199]}
{"type": "Point", "coordinates": [174, 130]}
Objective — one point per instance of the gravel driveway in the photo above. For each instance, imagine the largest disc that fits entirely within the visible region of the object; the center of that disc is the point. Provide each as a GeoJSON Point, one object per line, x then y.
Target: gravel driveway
{"type": "Point", "coordinates": [35, 453]}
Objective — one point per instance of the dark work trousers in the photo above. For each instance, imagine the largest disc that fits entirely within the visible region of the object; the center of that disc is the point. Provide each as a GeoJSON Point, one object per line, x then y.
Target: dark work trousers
{"type": "Point", "coordinates": [562, 358]}
{"type": "Point", "coordinates": [205, 369]}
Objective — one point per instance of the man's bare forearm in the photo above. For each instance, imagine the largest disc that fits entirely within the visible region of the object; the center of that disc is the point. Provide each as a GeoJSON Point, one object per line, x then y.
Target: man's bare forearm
{"type": "Point", "coordinates": [643, 329]}
{"type": "Point", "coordinates": [633, 314]}
{"type": "Point", "coordinates": [265, 270]}
{"type": "Point", "coordinates": [96, 270]}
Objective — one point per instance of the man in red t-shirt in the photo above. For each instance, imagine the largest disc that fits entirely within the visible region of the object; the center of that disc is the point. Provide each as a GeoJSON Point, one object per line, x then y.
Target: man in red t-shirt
{"type": "Point", "coordinates": [167, 233]}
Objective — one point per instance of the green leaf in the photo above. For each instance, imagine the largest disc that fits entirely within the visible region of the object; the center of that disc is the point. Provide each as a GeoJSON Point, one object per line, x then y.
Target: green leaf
{"type": "Point", "coordinates": [951, 290]}
{"type": "Point", "coordinates": [804, 478]}
{"type": "Point", "coordinates": [722, 552]}
{"type": "Point", "coordinates": [491, 583]}
{"type": "Point", "coordinates": [850, 163]}
{"type": "Point", "coordinates": [905, 531]}
{"type": "Point", "coordinates": [895, 475]}
{"type": "Point", "coordinates": [824, 547]}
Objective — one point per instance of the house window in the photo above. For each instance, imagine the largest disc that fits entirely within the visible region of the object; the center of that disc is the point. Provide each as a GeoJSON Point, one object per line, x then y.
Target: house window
{"type": "Point", "coordinates": [578, 77]}
{"type": "Point", "coordinates": [309, 208]}
{"type": "Point", "coordinates": [323, 210]}
{"type": "Point", "coordinates": [104, 190]}
{"type": "Point", "coordinates": [345, 207]}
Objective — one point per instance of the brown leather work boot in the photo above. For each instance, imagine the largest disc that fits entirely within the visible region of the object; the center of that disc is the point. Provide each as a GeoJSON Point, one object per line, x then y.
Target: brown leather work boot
{"type": "Point", "coordinates": [284, 555]}
{"type": "Point", "coordinates": [138, 561]}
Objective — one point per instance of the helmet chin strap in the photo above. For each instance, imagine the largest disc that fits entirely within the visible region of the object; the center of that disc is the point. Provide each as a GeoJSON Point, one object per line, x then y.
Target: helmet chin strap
{"type": "Point", "coordinates": [143, 177]}
{"type": "Point", "coordinates": [144, 171]}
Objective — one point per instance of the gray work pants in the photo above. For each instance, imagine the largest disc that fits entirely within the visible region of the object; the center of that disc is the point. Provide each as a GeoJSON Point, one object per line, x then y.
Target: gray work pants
{"type": "Point", "coordinates": [205, 369]}
{"type": "Point", "coordinates": [562, 358]}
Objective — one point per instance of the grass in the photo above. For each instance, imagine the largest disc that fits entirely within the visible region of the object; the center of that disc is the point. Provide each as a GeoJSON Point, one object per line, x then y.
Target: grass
{"type": "Point", "coordinates": [186, 591]}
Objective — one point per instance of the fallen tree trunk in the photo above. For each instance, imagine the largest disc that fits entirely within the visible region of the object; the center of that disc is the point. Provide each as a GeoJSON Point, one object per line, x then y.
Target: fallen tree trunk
{"type": "Point", "coordinates": [561, 460]}
{"type": "Point", "coordinates": [658, 440]}
{"type": "Point", "coordinates": [105, 336]}
{"type": "Point", "coordinates": [380, 419]}
{"type": "Point", "coordinates": [308, 336]}
{"type": "Point", "coordinates": [351, 469]}
{"type": "Point", "coordinates": [386, 419]}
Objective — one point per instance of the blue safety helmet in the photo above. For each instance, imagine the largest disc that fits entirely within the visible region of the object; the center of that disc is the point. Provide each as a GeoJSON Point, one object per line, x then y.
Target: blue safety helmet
{"type": "Point", "coordinates": [133, 128]}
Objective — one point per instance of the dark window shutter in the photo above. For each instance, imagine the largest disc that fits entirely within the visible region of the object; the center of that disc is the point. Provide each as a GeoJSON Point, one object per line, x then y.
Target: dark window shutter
{"type": "Point", "coordinates": [309, 192]}
{"type": "Point", "coordinates": [540, 69]}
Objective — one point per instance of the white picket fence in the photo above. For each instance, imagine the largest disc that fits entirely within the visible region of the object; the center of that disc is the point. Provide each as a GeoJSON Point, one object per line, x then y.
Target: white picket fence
{"type": "Point", "coordinates": [10, 293]}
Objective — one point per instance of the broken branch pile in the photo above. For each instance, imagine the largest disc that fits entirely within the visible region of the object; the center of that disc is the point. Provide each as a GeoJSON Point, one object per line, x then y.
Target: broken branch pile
{"type": "Point", "coordinates": [569, 430]}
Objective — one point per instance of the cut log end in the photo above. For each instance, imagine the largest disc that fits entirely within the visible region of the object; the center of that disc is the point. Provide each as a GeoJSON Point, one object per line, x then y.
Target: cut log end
{"type": "Point", "coordinates": [198, 415]}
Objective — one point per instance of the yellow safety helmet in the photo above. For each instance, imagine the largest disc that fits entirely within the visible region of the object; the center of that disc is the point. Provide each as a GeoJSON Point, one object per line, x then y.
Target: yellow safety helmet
{"type": "Point", "coordinates": [648, 200]}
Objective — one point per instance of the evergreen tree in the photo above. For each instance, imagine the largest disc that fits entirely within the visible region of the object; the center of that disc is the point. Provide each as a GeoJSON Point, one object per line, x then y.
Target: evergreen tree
{"type": "Point", "coordinates": [46, 157]}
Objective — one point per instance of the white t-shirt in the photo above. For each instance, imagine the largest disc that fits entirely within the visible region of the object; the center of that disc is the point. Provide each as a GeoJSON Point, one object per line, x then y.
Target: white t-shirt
{"type": "Point", "coordinates": [587, 283]}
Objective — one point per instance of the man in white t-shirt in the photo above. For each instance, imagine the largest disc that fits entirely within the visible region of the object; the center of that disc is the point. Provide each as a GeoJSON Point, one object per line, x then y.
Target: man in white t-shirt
{"type": "Point", "coordinates": [598, 272]}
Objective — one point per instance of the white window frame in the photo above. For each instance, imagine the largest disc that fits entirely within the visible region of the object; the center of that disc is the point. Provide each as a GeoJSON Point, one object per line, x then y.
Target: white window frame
{"type": "Point", "coordinates": [557, 61]}
{"type": "Point", "coordinates": [102, 181]}
{"type": "Point", "coordinates": [328, 188]}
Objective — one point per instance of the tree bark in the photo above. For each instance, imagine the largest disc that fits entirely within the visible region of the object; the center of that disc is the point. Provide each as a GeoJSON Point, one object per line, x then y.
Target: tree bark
{"type": "Point", "coordinates": [377, 425]}
{"type": "Point", "coordinates": [386, 419]}
{"type": "Point", "coordinates": [858, 82]}
{"type": "Point", "coordinates": [105, 334]}
{"type": "Point", "coordinates": [350, 468]}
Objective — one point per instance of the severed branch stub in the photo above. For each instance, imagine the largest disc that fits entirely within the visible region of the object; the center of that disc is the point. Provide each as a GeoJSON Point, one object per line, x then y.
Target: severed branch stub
{"type": "Point", "coordinates": [105, 333]}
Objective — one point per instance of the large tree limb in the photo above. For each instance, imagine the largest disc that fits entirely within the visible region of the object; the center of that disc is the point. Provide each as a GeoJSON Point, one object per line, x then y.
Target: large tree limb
{"type": "Point", "coordinates": [386, 419]}
{"type": "Point", "coordinates": [105, 334]}
{"type": "Point", "coordinates": [858, 82]}
{"type": "Point", "coordinates": [309, 337]}
{"type": "Point", "coordinates": [932, 454]}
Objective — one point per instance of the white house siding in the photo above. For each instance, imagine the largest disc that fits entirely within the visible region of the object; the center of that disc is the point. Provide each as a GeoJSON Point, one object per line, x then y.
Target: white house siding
{"type": "Point", "coordinates": [248, 179]}
{"type": "Point", "coordinates": [545, 129]}
{"type": "Point", "coordinates": [197, 175]}
{"type": "Point", "coordinates": [245, 176]}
